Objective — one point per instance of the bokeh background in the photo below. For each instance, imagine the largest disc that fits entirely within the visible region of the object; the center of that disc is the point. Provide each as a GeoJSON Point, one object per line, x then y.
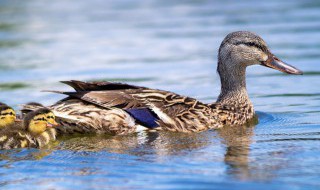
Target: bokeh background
{"type": "Point", "coordinates": [170, 45]}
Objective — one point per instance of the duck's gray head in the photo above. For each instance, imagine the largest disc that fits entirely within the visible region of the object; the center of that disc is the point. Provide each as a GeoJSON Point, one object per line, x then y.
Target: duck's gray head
{"type": "Point", "coordinates": [241, 49]}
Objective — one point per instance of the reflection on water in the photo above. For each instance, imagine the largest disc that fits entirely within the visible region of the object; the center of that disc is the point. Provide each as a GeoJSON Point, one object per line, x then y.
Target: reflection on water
{"type": "Point", "coordinates": [236, 153]}
{"type": "Point", "coordinates": [237, 141]}
{"type": "Point", "coordinates": [170, 45]}
{"type": "Point", "coordinates": [143, 143]}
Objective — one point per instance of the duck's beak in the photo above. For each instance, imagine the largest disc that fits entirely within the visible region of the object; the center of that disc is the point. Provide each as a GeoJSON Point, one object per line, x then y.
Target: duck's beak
{"type": "Point", "coordinates": [18, 120]}
{"type": "Point", "coordinates": [275, 63]}
{"type": "Point", "coordinates": [54, 124]}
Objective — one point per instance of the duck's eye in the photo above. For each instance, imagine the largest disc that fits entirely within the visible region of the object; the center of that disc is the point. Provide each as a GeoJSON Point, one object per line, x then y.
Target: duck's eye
{"type": "Point", "coordinates": [251, 44]}
{"type": "Point", "coordinates": [12, 113]}
{"type": "Point", "coordinates": [40, 119]}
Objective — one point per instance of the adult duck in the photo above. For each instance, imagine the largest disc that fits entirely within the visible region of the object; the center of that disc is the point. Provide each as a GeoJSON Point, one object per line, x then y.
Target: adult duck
{"type": "Point", "coordinates": [116, 108]}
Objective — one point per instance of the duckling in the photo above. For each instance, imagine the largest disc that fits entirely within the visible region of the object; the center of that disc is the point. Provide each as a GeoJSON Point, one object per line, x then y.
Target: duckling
{"type": "Point", "coordinates": [1, 104]}
{"type": "Point", "coordinates": [36, 131]}
{"type": "Point", "coordinates": [25, 111]}
{"type": "Point", "coordinates": [116, 108]}
{"type": "Point", "coordinates": [7, 116]}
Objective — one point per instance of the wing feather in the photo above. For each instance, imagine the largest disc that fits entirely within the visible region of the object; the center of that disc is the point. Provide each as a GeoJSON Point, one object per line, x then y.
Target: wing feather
{"type": "Point", "coordinates": [166, 106]}
{"type": "Point", "coordinates": [98, 86]}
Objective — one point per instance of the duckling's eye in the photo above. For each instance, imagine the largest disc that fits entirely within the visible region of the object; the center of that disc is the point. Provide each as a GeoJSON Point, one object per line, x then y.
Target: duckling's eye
{"type": "Point", "coordinates": [40, 119]}
{"type": "Point", "coordinates": [12, 113]}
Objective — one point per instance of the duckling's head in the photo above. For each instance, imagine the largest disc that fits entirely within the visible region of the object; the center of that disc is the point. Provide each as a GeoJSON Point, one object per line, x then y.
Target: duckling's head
{"type": "Point", "coordinates": [36, 122]}
{"type": "Point", "coordinates": [34, 104]}
{"type": "Point", "coordinates": [241, 49]}
{"type": "Point", "coordinates": [51, 118]}
{"type": "Point", "coordinates": [7, 116]}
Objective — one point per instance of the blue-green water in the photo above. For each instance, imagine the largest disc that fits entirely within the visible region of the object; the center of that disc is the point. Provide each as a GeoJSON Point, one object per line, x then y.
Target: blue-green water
{"type": "Point", "coordinates": [169, 45]}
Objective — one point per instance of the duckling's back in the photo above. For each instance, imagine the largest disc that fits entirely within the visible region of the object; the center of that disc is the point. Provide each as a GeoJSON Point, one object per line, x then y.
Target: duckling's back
{"type": "Point", "coordinates": [15, 139]}
{"type": "Point", "coordinates": [18, 138]}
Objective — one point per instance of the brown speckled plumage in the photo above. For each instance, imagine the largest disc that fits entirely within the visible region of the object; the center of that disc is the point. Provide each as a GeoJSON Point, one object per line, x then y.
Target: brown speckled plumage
{"type": "Point", "coordinates": [102, 107]}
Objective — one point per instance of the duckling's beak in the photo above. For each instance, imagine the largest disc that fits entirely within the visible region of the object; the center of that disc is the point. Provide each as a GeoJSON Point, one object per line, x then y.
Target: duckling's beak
{"type": "Point", "coordinates": [275, 63]}
{"type": "Point", "coordinates": [52, 124]}
{"type": "Point", "coordinates": [18, 120]}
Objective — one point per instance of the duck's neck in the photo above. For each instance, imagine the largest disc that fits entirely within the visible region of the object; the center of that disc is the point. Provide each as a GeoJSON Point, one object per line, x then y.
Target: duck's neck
{"type": "Point", "coordinates": [233, 85]}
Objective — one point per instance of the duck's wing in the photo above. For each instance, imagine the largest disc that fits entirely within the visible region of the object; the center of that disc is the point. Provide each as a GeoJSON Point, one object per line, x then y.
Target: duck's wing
{"type": "Point", "coordinates": [124, 96]}
{"type": "Point", "coordinates": [97, 86]}
{"type": "Point", "coordinates": [138, 101]}
{"type": "Point", "coordinates": [107, 98]}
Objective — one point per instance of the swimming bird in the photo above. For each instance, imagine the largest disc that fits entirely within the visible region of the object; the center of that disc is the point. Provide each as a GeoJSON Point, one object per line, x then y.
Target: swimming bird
{"type": "Point", "coordinates": [35, 131]}
{"type": "Point", "coordinates": [117, 108]}
{"type": "Point", "coordinates": [1, 104]}
{"type": "Point", "coordinates": [25, 111]}
{"type": "Point", "coordinates": [7, 116]}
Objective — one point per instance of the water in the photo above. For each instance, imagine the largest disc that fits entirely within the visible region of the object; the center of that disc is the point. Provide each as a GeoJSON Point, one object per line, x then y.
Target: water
{"type": "Point", "coordinates": [169, 45]}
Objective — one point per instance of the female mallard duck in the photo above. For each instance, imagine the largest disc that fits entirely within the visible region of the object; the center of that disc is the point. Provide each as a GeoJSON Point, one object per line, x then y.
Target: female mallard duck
{"type": "Point", "coordinates": [116, 108]}
{"type": "Point", "coordinates": [7, 116]}
{"type": "Point", "coordinates": [35, 131]}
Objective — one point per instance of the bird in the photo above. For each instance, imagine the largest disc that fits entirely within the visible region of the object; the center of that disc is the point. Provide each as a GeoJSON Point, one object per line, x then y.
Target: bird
{"type": "Point", "coordinates": [118, 108]}
{"type": "Point", "coordinates": [7, 116]}
{"type": "Point", "coordinates": [24, 112]}
{"type": "Point", "coordinates": [35, 131]}
{"type": "Point", "coordinates": [1, 103]}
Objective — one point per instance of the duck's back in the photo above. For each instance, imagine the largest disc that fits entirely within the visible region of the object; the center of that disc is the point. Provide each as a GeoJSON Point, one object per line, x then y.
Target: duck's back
{"type": "Point", "coordinates": [121, 108]}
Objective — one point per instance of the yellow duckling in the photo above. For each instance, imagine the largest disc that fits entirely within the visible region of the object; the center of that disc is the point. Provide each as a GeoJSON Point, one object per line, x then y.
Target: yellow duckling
{"type": "Point", "coordinates": [36, 131]}
{"type": "Point", "coordinates": [34, 104]}
{"type": "Point", "coordinates": [7, 116]}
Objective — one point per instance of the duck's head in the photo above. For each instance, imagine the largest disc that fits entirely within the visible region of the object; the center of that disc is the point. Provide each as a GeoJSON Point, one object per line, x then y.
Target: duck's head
{"type": "Point", "coordinates": [51, 118]}
{"type": "Point", "coordinates": [7, 116]}
{"type": "Point", "coordinates": [241, 49]}
{"type": "Point", "coordinates": [39, 121]}
{"type": "Point", "coordinates": [33, 104]}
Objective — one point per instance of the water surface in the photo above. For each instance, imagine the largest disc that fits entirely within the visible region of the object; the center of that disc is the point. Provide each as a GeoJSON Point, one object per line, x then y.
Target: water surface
{"type": "Point", "coordinates": [169, 45]}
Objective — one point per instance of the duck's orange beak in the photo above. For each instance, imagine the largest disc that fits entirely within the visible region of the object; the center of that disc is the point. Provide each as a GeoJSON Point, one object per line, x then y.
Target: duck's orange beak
{"type": "Point", "coordinates": [275, 63]}
{"type": "Point", "coordinates": [54, 124]}
{"type": "Point", "coordinates": [18, 120]}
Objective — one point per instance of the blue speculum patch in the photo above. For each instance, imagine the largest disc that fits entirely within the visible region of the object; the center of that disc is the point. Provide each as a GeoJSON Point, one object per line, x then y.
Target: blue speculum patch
{"type": "Point", "coordinates": [144, 116]}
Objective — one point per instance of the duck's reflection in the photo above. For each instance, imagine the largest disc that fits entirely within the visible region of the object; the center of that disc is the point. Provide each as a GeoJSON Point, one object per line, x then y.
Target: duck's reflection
{"type": "Point", "coordinates": [158, 143]}
{"type": "Point", "coordinates": [237, 141]}
{"type": "Point", "coordinates": [162, 145]}
{"type": "Point", "coordinates": [23, 154]}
